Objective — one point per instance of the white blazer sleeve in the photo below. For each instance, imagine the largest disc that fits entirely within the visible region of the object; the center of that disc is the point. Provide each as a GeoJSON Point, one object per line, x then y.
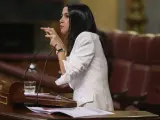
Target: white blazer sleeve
{"type": "Point", "coordinates": [79, 59]}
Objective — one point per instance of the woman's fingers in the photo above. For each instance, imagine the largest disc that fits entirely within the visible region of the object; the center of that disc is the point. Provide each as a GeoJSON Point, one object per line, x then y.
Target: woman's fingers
{"type": "Point", "coordinates": [51, 31]}
{"type": "Point", "coordinates": [50, 36]}
{"type": "Point", "coordinates": [44, 29]}
{"type": "Point", "coordinates": [48, 30]}
{"type": "Point", "coordinates": [53, 36]}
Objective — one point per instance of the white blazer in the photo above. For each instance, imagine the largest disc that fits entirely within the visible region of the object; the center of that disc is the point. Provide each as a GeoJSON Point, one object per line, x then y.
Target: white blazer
{"type": "Point", "coordinates": [87, 72]}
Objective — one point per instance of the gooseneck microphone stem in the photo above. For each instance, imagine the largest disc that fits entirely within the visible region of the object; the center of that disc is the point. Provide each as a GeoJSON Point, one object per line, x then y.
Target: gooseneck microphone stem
{"type": "Point", "coordinates": [42, 76]}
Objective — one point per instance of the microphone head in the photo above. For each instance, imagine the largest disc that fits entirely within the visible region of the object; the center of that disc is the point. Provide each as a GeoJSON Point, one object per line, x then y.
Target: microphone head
{"type": "Point", "coordinates": [32, 67]}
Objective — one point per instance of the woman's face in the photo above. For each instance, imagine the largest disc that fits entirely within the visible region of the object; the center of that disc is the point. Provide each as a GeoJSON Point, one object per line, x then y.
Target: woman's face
{"type": "Point", "coordinates": [64, 21]}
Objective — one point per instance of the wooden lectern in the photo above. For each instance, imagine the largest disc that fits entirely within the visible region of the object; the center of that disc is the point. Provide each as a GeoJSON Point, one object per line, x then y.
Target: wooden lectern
{"type": "Point", "coordinates": [12, 89]}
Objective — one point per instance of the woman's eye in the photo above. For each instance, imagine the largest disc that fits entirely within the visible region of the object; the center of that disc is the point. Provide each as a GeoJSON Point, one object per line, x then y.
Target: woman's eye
{"type": "Point", "coordinates": [67, 15]}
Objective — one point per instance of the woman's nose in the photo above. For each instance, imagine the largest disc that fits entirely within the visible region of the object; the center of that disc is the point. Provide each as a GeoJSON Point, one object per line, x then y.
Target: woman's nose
{"type": "Point", "coordinates": [61, 20]}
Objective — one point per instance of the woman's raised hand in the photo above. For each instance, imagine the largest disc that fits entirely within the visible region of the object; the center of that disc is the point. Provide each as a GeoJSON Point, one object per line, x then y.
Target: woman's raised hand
{"type": "Point", "coordinates": [55, 40]}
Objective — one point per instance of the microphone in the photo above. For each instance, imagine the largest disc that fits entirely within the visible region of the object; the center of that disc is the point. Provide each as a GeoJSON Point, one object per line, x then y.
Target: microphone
{"type": "Point", "coordinates": [42, 75]}
{"type": "Point", "coordinates": [32, 66]}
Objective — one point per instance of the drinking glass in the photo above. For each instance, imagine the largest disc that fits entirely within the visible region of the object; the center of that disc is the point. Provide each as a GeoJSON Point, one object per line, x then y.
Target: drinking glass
{"type": "Point", "coordinates": [29, 87]}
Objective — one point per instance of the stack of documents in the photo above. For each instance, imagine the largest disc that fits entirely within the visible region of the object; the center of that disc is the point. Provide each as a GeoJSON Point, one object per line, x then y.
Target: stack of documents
{"type": "Point", "coordinates": [73, 112]}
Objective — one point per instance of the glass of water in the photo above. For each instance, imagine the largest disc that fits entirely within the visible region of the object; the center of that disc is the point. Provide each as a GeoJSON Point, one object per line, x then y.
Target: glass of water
{"type": "Point", "coordinates": [29, 87]}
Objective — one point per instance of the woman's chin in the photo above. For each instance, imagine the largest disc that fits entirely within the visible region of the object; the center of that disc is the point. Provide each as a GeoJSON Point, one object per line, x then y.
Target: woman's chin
{"type": "Point", "coordinates": [64, 33]}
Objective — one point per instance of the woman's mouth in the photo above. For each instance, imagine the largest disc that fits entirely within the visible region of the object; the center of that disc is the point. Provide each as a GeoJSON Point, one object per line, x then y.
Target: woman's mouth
{"type": "Point", "coordinates": [61, 26]}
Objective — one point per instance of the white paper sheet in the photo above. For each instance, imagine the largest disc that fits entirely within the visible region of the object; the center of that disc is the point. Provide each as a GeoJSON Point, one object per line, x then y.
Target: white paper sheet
{"type": "Point", "coordinates": [74, 112]}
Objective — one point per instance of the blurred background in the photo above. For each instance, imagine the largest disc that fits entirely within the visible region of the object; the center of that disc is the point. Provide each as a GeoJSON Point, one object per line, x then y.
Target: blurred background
{"type": "Point", "coordinates": [20, 20]}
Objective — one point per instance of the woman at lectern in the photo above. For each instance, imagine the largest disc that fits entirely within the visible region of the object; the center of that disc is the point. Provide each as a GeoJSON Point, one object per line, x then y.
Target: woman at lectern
{"type": "Point", "coordinates": [82, 62]}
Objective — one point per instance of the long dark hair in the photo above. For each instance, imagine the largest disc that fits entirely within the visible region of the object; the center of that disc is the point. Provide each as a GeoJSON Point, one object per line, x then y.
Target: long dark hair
{"type": "Point", "coordinates": [81, 19]}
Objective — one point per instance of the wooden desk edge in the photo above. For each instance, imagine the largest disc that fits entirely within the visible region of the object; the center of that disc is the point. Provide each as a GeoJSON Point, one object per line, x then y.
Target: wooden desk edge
{"type": "Point", "coordinates": [123, 115]}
